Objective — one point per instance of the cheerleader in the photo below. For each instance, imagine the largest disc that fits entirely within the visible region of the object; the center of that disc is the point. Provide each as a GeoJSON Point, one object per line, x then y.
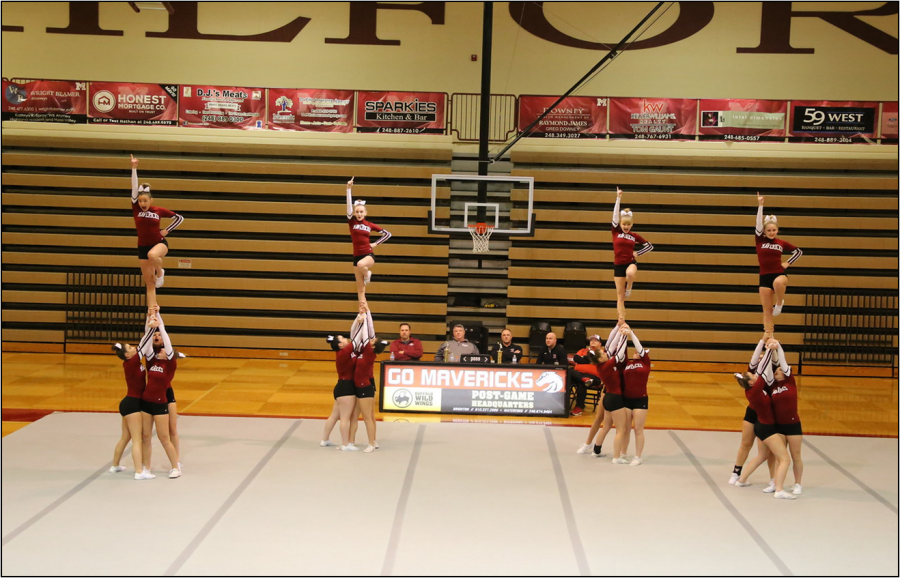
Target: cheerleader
{"type": "Point", "coordinates": [360, 230]}
{"type": "Point", "coordinates": [170, 392]}
{"type": "Point", "coordinates": [152, 244]}
{"type": "Point", "coordinates": [765, 428]}
{"type": "Point", "coordinates": [624, 264]}
{"type": "Point", "coordinates": [344, 393]}
{"type": "Point", "coordinates": [773, 281]}
{"type": "Point", "coordinates": [362, 336]}
{"type": "Point", "coordinates": [634, 377]}
{"type": "Point", "coordinates": [603, 421]}
{"type": "Point", "coordinates": [130, 406]}
{"type": "Point", "coordinates": [608, 364]}
{"type": "Point", "coordinates": [748, 435]}
{"type": "Point", "coordinates": [787, 420]}
{"type": "Point", "coordinates": [154, 405]}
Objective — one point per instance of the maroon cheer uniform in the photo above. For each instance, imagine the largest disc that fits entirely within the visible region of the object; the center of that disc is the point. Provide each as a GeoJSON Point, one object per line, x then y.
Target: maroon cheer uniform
{"type": "Point", "coordinates": [769, 252]}
{"type": "Point", "coordinates": [361, 230]}
{"type": "Point", "coordinates": [147, 222]}
{"type": "Point", "coordinates": [635, 376]}
{"type": "Point", "coordinates": [345, 363]}
{"type": "Point", "coordinates": [365, 367]}
{"type": "Point", "coordinates": [623, 243]}
{"type": "Point", "coordinates": [158, 378]}
{"type": "Point", "coordinates": [784, 401]}
{"type": "Point", "coordinates": [135, 379]}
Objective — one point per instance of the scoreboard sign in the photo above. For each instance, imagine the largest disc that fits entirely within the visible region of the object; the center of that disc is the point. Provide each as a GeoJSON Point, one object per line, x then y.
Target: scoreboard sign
{"type": "Point", "coordinates": [474, 389]}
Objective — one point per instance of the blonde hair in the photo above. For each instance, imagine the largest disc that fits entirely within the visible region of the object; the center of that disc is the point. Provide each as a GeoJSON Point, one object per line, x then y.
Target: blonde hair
{"type": "Point", "coordinates": [770, 220]}
{"type": "Point", "coordinates": [626, 215]}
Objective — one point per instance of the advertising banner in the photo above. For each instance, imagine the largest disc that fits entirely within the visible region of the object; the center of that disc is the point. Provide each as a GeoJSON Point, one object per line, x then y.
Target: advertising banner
{"type": "Point", "coordinates": [127, 103]}
{"type": "Point", "coordinates": [401, 112]}
{"type": "Point", "coordinates": [653, 118]}
{"type": "Point", "coordinates": [474, 389]}
{"type": "Point", "coordinates": [889, 123]}
{"type": "Point", "coordinates": [739, 119]}
{"type": "Point", "coordinates": [825, 121]}
{"type": "Point", "coordinates": [222, 107]}
{"type": "Point", "coordinates": [45, 101]}
{"type": "Point", "coordinates": [311, 109]}
{"type": "Point", "coordinates": [574, 117]}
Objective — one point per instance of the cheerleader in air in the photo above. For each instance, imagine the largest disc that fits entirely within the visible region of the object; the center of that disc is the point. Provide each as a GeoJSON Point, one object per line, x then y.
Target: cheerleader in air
{"type": "Point", "coordinates": [360, 231]}
{"type": "Point", "coordinates": [624, 264]}
{"type": "Point", "coordinates": [152, 244]}
{"type": "Point", "coordinates": [773, 280]}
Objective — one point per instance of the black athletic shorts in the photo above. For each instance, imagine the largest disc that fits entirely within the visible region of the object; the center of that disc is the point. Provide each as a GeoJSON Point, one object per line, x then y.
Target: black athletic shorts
{"type": "Point", "coordinates": [764, 431]}
{"type": "Point", "coordinates": [144, 250]}
{"type": "Point", "coordinates": [356, 260]}
{"type": "Point", "coordinates": [129, 405]}
{"type": "Point", "coordinates": [769, 280]}
{"type": "Point", "coordinates": [367, 391]}
{"type": "Point", "coordinates": [621, 270]}
{"type": "Point", "coordinates": [789, 429]}
{"type": "Point", "coordinates": [344, 388]}
{"type": "Point", "coordinates": [633, 403]}
{"type": "Point", "coordinates": [750, 415]}
{"type": "Point", "coordinates": [170, 395]}
{"type": "Point", "coordinates": [154, 408]}
{"type": "Point", "coordinates": [613, 402]}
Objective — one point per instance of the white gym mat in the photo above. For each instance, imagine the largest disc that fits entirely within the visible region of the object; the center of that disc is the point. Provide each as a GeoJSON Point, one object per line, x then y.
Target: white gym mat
{"type": "Point", "coordinates": [260, 497]}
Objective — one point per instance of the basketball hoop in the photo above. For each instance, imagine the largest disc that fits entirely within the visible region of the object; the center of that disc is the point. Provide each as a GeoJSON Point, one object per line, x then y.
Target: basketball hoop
{"type": "Point", "coordinates": [481, 234]}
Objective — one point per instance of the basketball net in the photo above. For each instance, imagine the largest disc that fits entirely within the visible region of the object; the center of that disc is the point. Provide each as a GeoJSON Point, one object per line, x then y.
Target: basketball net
{"type": "Point", "coordinates": [481, 234]}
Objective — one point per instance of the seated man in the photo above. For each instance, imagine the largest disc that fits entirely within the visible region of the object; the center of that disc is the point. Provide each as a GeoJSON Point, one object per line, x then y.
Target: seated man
{"type": "Point", "coordinates": [505, 351]}
{"type": "Point", "coordinates": [552, 353]}
{"type": "Point", "coordinates": [584, 367]}
{"type": "Point", "coordinates": [406, 348]}
{"type": "Point", "coordinates": [454, 349]}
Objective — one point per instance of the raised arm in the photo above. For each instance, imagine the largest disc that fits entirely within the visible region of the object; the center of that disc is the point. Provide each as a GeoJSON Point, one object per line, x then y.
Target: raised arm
{"type": "Point", "coordinates": [754, 361]}
{"type": "Point", "coordinates": [615, 217]}
{"type": "Point", "coordinates": [613, 341]}
{"type": "Point", "coordinates": [782, 361]}
{"type": "Point", "coordinates": [134, 180]}
{"type": "Point", "coordinates": [759, 215]}
{"type": "Point", "coordinates": [362, 330]}
{"type": "Point", "coordinates": [349, 199]}
{"type": "Point", "coordinates": [146, 344]}
{"type": "Point", "coordinates": [167, 343]}
{"type": "Point", "coordinates": [621, 347]}
{"type": "Point", "coordinates": [637, 344]}
{"type": "Point", "coordinates": [766, 365]}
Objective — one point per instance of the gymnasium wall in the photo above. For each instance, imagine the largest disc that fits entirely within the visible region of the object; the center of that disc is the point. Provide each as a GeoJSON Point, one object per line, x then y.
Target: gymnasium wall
{"type": "Point", "coordinates": [264, 209]}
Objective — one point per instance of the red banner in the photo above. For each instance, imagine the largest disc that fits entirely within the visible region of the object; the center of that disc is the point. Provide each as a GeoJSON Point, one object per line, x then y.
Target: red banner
{"type": "Point", "coordinates": [45, 101]}
{"type": "Point", "coordinates": [401, 112]}
{"type": "Point", "coordinates": [222, 107]}
{"type": "Point", "coordinates": [124, 103]}
{"type": "Point", "coordinates": [889, 123]}
{"type": "Point", "coordinates": [653, 118]}
{"type": "Point", "coordinates": [311, 109]}
{"type": "Point", "coordinates": [825, 121]}
{"type": "Point", "coordinates": [739, 119]}
{"type": "Point", "coordinates": [574, 117]}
